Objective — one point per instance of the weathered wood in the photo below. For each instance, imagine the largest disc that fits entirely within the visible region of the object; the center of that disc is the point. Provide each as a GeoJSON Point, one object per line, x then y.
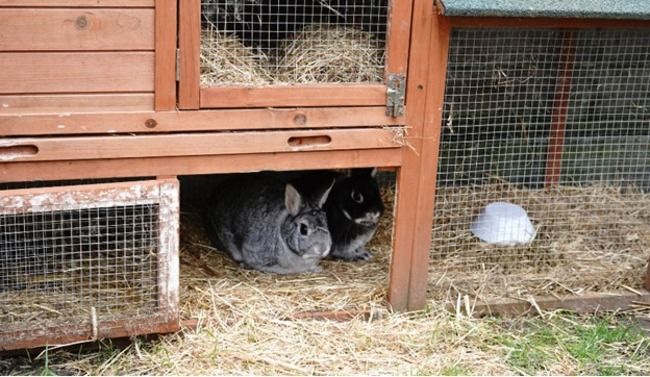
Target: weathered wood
{"type": "Point", "coordinates": [73, 334]}
{"type": "Point", "coordinates": [299, 95]}
{"type": "Point", "coordinates": [337, 315]}
{"type": "Point", "coordinates": [75, 29]}
{"type": "Point", "coordinates": [195, 144]}
{"type": "Point", "coordinates": [188, 165]}
{"type": "Point", "coordinates": [586, 304]}
{"type": "Point", "coordinates": [168, 247]}
{"type": "Point", "coordinates": [399, 36]}
{"type": "Point", "coordinates": [166, 317]}
{"type": "Point", "coordinates": [67, 104]}
{"type": "Point", "coordinates": [408, 178]}
{"type": "Point", "coordinates": [54, 72]}
{"type": "Point", "coordinates": [189, 43]}
{"type": "Point", "coordinates": [165, 69]}
{"type": "Point", "coordinates": [252, 119]}
{"type": "Point", "coordinates": [428, 167]}
{"type": "Point", "coordinates": [78, 3]}
{"type": "Point", "coordinates": [65, 198]}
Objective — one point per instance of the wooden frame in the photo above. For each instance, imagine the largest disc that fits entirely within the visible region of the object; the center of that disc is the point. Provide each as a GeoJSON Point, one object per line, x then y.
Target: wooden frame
{"type": "Point", "coordinates": [166, 319]}
{"type": "Point", "coordinates": [165, 47]}
{"type": "Point", "coordinates": [32, 124]}
{"type": "Point", "coordinates": [437, 38]}
{"type": "Point", "coordinates": [192, 96]}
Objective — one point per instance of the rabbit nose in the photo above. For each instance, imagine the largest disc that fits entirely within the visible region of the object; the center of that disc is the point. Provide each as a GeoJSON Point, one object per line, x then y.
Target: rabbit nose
{"type": "Point", "coordinates": [375, 216]}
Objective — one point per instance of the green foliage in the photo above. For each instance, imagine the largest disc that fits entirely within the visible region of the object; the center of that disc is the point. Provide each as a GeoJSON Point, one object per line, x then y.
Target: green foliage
{"type": "Point", "coordinates": [595, 346]}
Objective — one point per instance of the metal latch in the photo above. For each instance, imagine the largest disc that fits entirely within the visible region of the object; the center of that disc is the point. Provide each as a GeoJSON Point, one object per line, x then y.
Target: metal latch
{"type": "Point", "coordinates": [178, 64]}
{"type": "Point", "coordinates": [396, 83]}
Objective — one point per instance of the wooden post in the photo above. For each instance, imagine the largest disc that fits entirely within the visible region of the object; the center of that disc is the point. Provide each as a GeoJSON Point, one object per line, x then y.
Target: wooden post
{"type": "Point", "coordinates": [437, 72]}
{"type": "Point", "coordinates": [408, 186]}
{"type": "Point", "coordinates": [560, 108]}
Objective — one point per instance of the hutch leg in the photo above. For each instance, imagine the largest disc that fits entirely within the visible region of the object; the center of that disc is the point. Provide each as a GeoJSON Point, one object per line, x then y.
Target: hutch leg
{"type": "Point", "coordinates": [428, 167]}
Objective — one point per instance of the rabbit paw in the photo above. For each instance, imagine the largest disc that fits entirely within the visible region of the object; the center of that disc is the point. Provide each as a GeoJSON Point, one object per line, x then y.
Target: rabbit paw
{"type": "Point", "coordinates": [316, 269]}
{"type": "Point", "coordinates": [362, 255]}
{"type": "Point", "coordinates": [358, 255]}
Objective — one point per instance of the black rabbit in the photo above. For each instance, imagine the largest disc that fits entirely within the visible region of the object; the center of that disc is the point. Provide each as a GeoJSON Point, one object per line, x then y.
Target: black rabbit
{"type": "Point", "coordinates": [353, 209]}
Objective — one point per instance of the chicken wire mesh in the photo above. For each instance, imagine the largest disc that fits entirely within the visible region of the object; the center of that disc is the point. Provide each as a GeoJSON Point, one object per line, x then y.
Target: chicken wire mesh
{"type": "Point", "coordinates": [556, 121]}
{"type": "Point", "coordinates": [263, 42]}
{"type": "Point", "coordinates": [82, 257]}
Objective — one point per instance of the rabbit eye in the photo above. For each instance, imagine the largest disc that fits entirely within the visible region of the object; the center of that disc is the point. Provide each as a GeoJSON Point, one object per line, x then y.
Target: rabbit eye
{"type": "Point", "coordinates": [356, 196]}
{"type": "Point", "coordinates": [304, 229]}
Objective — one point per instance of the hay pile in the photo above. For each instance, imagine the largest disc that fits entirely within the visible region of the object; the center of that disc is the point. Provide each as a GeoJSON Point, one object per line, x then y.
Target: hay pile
{"type": "Point", "coordinates": [106, 288]}
{"type": "Point", "coordinates": [225, 60]}
{"type": "Point", "coordinates": [317, 54]}
{"type": "Point", "coordinates": [331, 54]}
{"type": "Point", "coordinates": [211, 280]}
{"type": "Point", "coordinates": [589, 239]}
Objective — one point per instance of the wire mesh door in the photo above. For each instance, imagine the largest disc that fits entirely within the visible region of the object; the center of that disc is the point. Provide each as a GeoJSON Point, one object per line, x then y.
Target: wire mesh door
{"type": "Point", "coordinates": [81, 262]}
{"type": "Point", "coordinates": [308, 45]}
{"type": "Point", "coordinates": [556, 122]}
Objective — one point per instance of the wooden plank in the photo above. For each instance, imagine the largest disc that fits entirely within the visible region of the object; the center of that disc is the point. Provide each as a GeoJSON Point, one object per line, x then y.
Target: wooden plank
{"type": "Point", "coordinates": [65, 198]}
{"type": "Point", "coordinates": [268, 119]}
{"type": "Point", "coordinates": [77, 3]}
{"type": "Point", "coordinates": [79, 333]}
{"type": "Point", "coordinates": [399, 36]}
{"type": "Point", "coordinates": [189, 41]}
{"type": "Point", "coordinates": [72, 103]}
{"type": "Point", "coordinates": [584, 304]}
{"type": "Point", "coordinates": [168, 247]}
{"type": "Point", "coordinates": [409, 175]}
{"type": "Point", "coordinates": [188, 165]}
{"type": "Point", "coordinates": [53, 72]}
{"type": "Point", "coordinates": [299, 95]}
{"type": "Point", "coordinates": [76, 29]}
{"type": "Point", "coordinates": [560, 108]}
{"type": "Point", "coordinates": [439, 44]}
{"type": "Point", "coordinates": [92, 147]}
{"type": "Point", "coordinates": [514, 22]}
{"type": "Point", "coordinates": [165, 69]}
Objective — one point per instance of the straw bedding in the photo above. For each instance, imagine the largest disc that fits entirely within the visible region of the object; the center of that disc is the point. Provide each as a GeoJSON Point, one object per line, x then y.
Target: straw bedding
{"type": "Point", "coordinates": [589, 239]}
{"type": "Point", "coordinates": [225, 60]}
{"type": "Point", "coordinates": [316, 54]}
{"type": "Point", "coordinates": [331, 54]}
{"type": "Point", "coordinates": [69, 294]}
{"type": "Point", "coordinates": [211, 280]}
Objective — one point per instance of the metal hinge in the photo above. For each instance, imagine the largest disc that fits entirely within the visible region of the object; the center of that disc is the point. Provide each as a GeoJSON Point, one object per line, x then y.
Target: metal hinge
{"type": "Point", "coordinates": [178, 64]}
{"type": "Point", "coordinates": [396, 83]}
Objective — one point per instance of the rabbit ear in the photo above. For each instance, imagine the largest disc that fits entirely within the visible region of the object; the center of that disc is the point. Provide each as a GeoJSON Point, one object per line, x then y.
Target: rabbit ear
{"type": "Point", "coordinates": [320, 200]}
{"type": "Point", "coordinates": [292, 199]}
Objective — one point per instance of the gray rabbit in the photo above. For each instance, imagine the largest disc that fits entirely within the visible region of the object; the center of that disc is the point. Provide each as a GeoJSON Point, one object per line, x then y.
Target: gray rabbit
{"type": "Point", "coordinates": [266, 224]}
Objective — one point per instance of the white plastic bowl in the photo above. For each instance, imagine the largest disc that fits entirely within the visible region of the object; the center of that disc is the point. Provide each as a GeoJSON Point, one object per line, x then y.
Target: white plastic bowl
{"type": "Point", "coordinates": [503, 224]}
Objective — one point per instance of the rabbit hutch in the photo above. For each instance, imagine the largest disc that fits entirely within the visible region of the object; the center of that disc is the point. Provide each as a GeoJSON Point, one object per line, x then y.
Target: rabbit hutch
{"type": "Point", "coordinates": [536, 157]}
{"type": "Point", "coordinates": [104, 103]}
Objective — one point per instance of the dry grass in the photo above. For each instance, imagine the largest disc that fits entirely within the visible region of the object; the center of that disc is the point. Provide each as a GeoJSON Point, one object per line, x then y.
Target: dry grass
{"type": "Point", "coordinates": [327, 54]}
{"type": "Point", "coordinates": [317, 54]}
{"type": "Point", "coordinates": [245, 326]}
{"type": "Point", "coordinates": [225, 60]}
{"type": "Point", "coordinates": [590, 239]}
